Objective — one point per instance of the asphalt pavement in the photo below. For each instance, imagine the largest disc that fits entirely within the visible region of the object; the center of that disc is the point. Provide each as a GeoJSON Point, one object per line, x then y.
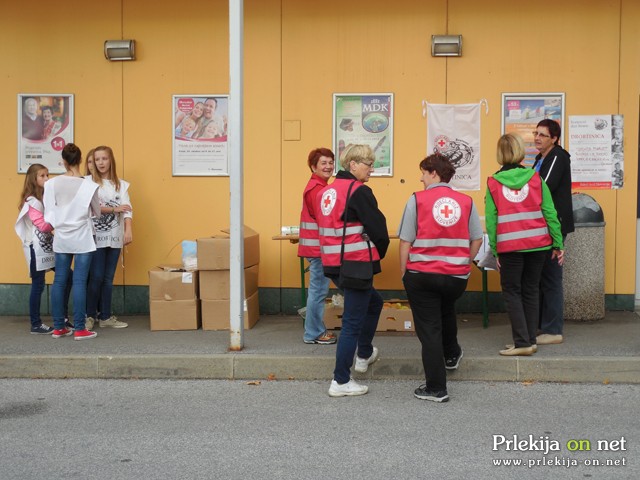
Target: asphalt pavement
{"type": "Point", "coordinates": [280, 430]}
{"type": "Point", "coordinates": [605, 351]}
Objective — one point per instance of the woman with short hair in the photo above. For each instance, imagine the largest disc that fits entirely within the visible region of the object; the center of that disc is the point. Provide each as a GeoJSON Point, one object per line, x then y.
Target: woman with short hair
{"type": "Point", "coordinates": [522, 225]}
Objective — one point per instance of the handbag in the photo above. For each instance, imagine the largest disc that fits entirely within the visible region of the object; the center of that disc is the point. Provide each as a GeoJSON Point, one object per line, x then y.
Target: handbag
{"type": "Point", "coordinates": [355, 275]}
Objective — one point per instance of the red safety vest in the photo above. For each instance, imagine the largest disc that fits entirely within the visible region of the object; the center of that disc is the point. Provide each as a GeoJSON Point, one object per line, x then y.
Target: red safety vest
{"type": "Point", "coordinates": [309, 245]}
{"type": "Point", "coordinates": [332, 201]}
{"type": "Point", "coordinates": [520, 224]}
{"type": "Point", "coordinates": [442, 237]}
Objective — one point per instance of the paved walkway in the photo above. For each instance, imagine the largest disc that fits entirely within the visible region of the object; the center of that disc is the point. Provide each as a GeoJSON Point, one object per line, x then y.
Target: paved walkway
{"type": "Point", "coordinates": [603, 351]}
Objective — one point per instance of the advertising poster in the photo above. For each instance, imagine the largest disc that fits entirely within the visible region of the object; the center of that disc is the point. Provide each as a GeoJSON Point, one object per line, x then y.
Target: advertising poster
{"type": "Point", "coordinates": [454, 131]}
{"type": "Point", "coordinates": [365, 119]}
{"type": "Point", "coordinates": [45, 126]}
{"type": "Point", "coordinates": [521, 112]}
{"type": "Point", "coordinates": [597, 151]}
{"type": "Point", "coordinates": [199, 130]}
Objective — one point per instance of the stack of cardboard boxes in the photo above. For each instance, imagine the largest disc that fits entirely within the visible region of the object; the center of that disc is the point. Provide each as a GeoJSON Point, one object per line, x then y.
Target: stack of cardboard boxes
{"type": "Point", "coordinates": [181, 300]}
{"type": "Point", "coordinates": [213, 266]}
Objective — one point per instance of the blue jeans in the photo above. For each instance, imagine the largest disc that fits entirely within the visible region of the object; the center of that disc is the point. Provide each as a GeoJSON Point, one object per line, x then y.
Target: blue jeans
{"type": "Point", "coordinates": [359, 322]}
{"type": "Point", "coordinates": [37, 287]}
{"type": "Point", "coordinates": [81, 273]}
{"type": "Point", "coordinates": [318, 290]}
{"type": "Point", "coordinates": [551, 297]}
{"type": "Point", "coordinates": [103, 269]}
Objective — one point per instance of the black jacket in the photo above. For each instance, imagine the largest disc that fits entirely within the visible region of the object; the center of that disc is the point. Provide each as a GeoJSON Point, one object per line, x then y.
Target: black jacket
{"type": "Point", "coordinates": [363, 208]}
{"type": "Point", "coordinates": [556, 172]}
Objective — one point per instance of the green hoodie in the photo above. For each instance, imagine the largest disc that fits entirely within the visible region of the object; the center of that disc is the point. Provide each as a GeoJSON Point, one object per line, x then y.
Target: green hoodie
{"type": "Point", "coordinates": [515, 177]}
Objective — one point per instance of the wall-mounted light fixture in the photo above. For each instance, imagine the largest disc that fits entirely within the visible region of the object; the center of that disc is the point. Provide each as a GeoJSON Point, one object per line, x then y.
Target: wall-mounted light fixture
{"type": "Point", "coordinates": [117, 50]}
{"type": "Point", "coordinates": [446, 45]}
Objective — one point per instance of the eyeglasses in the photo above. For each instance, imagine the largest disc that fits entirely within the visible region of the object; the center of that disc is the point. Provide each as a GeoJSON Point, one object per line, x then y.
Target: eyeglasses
{"type": "Point", "coordinates": [538, 134]}
{"type": "Point", "coordinates": [368, 164]}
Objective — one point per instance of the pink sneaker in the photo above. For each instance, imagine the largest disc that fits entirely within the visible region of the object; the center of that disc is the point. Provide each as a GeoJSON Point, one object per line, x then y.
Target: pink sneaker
{"type": "Point", "coordinates": [63, 332]}
{"type": "Point", "coordinates": [83, 334]}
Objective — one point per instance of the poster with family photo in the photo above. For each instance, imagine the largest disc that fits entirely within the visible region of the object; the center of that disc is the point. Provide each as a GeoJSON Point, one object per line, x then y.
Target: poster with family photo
{"type": "Point", "coordinates": [45, 126]}
{"type": "Point", "coordinates": [365, 119]}
{"type": "Point", "coordinates": [199, 131]}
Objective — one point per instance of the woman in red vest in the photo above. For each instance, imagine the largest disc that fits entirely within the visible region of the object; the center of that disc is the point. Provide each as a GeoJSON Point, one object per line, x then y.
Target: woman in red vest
{"type": "Point", "coordinates": [440, 234]}
{"type": "Point", "coordinates": [522, 225]}
{"type": "Point", "coordinates": [353, 232]}
{"type": "Point", "coordinates": [321, 162]}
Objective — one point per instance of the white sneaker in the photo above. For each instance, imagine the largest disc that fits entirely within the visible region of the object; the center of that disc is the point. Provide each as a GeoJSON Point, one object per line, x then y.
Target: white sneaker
{"type": "Point", "coordinates": [351, 388]}
{"type": "Point", "coordinates": [362, 364]}
{"type": "Point", "coordinates": [113, 322]}
{"type": "Point", "coordinates": [89, 322]}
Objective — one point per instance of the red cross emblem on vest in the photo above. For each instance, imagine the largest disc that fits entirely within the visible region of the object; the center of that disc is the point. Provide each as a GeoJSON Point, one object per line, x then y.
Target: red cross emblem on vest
{"type": "Point", "coordinates": [446, 211]}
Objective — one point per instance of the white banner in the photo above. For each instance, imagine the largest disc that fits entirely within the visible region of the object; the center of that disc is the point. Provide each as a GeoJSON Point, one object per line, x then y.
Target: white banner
{"type": "Point", "coordinates": [454, 131]}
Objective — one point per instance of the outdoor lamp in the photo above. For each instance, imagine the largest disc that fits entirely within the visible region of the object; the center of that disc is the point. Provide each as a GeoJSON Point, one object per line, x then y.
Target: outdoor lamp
{"type": "Point", "coordinates": [117, 50]}
{"type": "Point", "coordinates": [446, 45]}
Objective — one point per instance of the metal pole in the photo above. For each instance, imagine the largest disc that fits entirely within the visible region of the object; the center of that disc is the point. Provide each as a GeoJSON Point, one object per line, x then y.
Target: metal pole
{"type": "Point", "coordinates": [236, 30]}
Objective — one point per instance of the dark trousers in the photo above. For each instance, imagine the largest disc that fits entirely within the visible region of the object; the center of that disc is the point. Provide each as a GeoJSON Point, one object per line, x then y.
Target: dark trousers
{"type": "Point", "coordinates": [551, 297]}
{"type": "Point", "coordinates": [520, 280]}
{"type": "Point", "coordinates": [37, 287]}
{"type": "Point", "coordinates": [359, 322]}
{"type": "Point", "coordinates": [100, 288]}
{"type": "Point", "coordinates": [432, 298]}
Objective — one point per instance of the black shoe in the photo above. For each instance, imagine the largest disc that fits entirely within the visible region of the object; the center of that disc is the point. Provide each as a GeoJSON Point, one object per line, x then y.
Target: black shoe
{"type": "Point", "coordinates": [435, 396]}
{"type": "Point", "coordinates": [68, 324]}
{"type": "Point", "coordinates": [41, 329]}
{"type": "Point", "coordinates": [451, 363]}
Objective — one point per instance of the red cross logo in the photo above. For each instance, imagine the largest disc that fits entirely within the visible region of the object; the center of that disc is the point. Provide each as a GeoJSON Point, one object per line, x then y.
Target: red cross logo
{"type": "Point", "coordinates": [327, 200]}
{"type": "Point", "coordinates": [446, 211]}
{"type": "Point", "coordinates": [441, 143]}
{"type": "Point", "coordinates": [516, 192]}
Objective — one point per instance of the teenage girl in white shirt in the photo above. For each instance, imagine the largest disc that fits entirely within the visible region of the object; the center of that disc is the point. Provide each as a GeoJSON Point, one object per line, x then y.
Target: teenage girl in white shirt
{"type": "Point", "coordinates": [69, 203]}
{"type": "Point", "coordinates": [113, 231]}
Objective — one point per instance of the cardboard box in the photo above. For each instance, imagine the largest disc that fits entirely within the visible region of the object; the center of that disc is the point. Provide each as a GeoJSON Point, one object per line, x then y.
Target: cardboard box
{"type": "Point", "coordinates": [332, 315]}
{"type": "Point", "coordinates": [396, 319]}
{"type": "Point", "coordinates": [169, 283]}
{"type": "Point", "coordinates": [174, 314]}
{"type": "Point", "coordinates": [214, 284]}
{"type": "Point", "coordinates": [215, 313]}
{"type": "Point", "coordinates": [213, 252]}
{"type": "Point", "coordinates": [391, 319]}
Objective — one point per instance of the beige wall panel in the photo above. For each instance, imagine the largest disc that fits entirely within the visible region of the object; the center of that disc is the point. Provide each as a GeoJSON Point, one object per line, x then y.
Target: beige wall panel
{"type": "Point", "coordinates": [179, 51]}
{"type": "Point", "coordinates": [511, 60]}
{"type": "Point", "coordinates": [625, 246]}
{"type": "Point", "coordinates": [358, 47]}
{"type": "Point", "coordinates": [262, 132]}
{"type": "Point", "coordinates": [65, 59]}
{"type": "Point", "coordinates": [297, 54]}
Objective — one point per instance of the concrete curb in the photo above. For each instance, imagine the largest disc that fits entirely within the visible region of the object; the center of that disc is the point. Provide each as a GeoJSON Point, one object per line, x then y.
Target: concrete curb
{"type": "Point", "coordinates": [238, 366]}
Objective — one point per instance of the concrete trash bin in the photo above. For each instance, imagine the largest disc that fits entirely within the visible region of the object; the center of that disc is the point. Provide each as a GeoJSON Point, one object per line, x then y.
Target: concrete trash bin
{"type": "Point", "coordinates": [583, 276]}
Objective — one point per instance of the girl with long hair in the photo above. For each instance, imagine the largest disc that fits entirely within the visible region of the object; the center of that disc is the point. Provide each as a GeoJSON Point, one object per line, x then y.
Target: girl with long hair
{"type": "Point", "coordinates": [37, 240]}
{"type": "Point", "coordinates": [113, 231]}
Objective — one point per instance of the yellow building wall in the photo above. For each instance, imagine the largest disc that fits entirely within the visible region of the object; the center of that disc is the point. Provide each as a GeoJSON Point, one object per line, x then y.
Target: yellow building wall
{"type": "Point", "coordinates": [297, 54]}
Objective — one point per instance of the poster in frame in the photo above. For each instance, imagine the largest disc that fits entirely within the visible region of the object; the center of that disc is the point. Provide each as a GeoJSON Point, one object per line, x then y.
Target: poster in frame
{"type": "Point", "coordinates": [45, 126]}
{"type": "Point", "coordinates": [521, 112]}
{"type": "Point", "coordinates": [597, 151]}
{"type": "Point", "coordinates": [367, 119]}
{"type": "Point", "coordinates": [199, 133]}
